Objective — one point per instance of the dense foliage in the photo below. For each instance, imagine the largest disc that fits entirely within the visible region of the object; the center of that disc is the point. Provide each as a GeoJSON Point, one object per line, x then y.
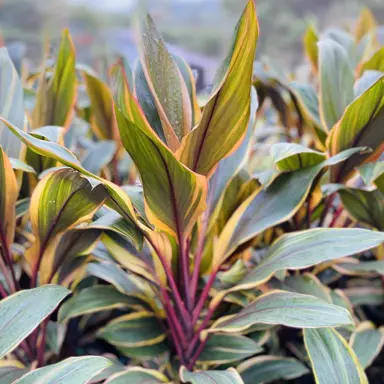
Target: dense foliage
{"type": "Point", "coordinates": [147, 238]}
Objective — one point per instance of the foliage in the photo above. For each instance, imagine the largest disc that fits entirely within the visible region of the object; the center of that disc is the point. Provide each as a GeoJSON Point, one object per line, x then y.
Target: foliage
{"type": "Point", "coordinates": [238, 242]}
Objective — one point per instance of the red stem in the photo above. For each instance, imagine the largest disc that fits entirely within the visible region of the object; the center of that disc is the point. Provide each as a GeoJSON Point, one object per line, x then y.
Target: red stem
{"type": "Point", "coordinates": [41, 346]}
{"type": "Point", "coordinates": [3, 292]}
{"type": "Point", "coordinates": [8, 259]}
{"type": "Point", "coordinates": [328, 205]}
{"type": "Point", "coordinates": [196, 355]}
{"type": "Point", "coordinates": [203, 297]}
{"type": "Point", "coordinates": [336, 216]}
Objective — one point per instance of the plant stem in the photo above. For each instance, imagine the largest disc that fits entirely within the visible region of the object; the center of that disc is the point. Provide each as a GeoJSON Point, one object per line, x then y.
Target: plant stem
{"type": "Point", "coordinates": [336, 215]}
{"type": "Point", "coordinates": [41, 347]}
{"type": "Point", "coordinates": [196, 355]}
{"type": "Point", "coordinates": [8, 259]}
{"type": "Point", "coordinates": [328, 205]}
{"type": "Point", "coordinates": [3, 292]}
{"type": "Point", "coordinates": [203, 297]}
{"type": "Point", "coordinates": [3, 268]}
{"type": "Point", "coordinates": [184, 258]}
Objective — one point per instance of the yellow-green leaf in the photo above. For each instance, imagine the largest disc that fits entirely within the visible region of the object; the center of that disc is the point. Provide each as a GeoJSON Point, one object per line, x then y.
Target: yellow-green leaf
{"type": "Point", "coordinates": [310, 44]}
{"type": "Point", "coordinates": [230, 376]}
{"type": "Point", "coordinates": [174, 195]}
{"type": "Point", "coordinates": [225, 117]}
{"type": "Point", "coordinates": [137, 375]}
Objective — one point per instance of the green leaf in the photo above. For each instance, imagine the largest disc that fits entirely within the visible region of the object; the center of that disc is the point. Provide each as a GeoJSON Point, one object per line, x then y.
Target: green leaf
{"type": "Point", "coordinates": [95, 299]}
{"type": "Point", "coordinates": [374, 63]}
{"type": "Point", "coordinates": [11, 104]}
{"type": "Point", "coordinates": [56, 96]}
{"type": "Point", "coordinates": [21, 166]}
{"type": "Point", "coordinates": [75, 370]}
{"type": "Point", "coordinates": [10, 371]}
{"type": "Point", "coordinates": [332, 357]}
{"type": "Point", "coordinates": [264, 369]}
{"type": "Point", "coordinates": [336, 81]}
{"type": "Point", "coordinates": [303, 249]}
{"type": "Point", "coordinates": [137, 375]}
{"type": "Point", "coordinates": [22, 312]}
{"type": "Point", "coordinates": [284, 308]}
{"type": "Point", "coordinates": [135, 330]}
{"type": "Point", "coordinates": [359, 126]}
{"type": "Point", "coordinates": [376, 266]}
{"type": "Point", "coordinates": [175, 196]}
{"type": "Point", "coordinates": [223, 349]}
{"type": "Point", "coordinates": [311, 40]}
{"type": "Point", "coordinates": [365, 206]}
{"type": "Point", "coordinates": [103, 119]}
{"type": "Point", "coordinates": [268, 207]}
{"type": "Point", "coordinates": [367, 342]}
{"type": "Point", "coordinates": [229, 376]}
{"type": "Point", "coordinates": [60, 201]}
{"type": "Point", "coordinates": [167, 85]}
{"type": "Point", "coordinates": [291, 156]}
{"type": "Point", "coordinates": [226, 115]}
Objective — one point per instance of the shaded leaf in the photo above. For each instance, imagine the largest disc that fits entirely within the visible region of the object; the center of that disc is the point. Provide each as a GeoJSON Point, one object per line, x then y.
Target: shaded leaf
{"type": "Point", "coordinates": [229, 376]}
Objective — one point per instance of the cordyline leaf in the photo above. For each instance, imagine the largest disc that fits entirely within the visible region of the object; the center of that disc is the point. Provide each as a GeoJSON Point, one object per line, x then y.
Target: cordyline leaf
{"type": "Point", "coordinates": [56, 97]}
{"type": "Point", "coordinates": [367, 342]}
{"type": "Point", "coordinates": [365, 206]}
{"type": "Point", "coordinates": [174, 195]}
{"type": "Point", "coordinates": [376, 266]}
{"type": "Point", "coordinates": [135, 330]}
{"type": "Point", "coordinates": [60, 201]}
{"type": "Point", "coordinates": [79, 370]}
{"type": "Point", "coordinates": [166, 84]}
{"type": "Point", "coordinates": [265, 369]}
{"type": "Point", "coordinates": [119, 200]}
{"type": "Point", "coordinates": [359, 126]}
{"type": "Point", "coordinates": [366, 81]}
{"type": "Point", "coordinates": [373, 173]}
{"type": "Point", "coordinates": [291, 156]}
{"type": "Point", "coordinates": [303, 249]}
{"type": "Point", "coordinates": [137, 375]}
{"type": "Point", "coordinates": [11, 370]}
{"type": "Point", "coordinates": [311, 49]}
{"type": "Point", "coordinates": [11, 104]}
{"type": "Point", "coordinates": [22, 312]}
{"type": "Point", "coordinates": [223, 349]}
{"type": "Point", "coordinates": [226, 115]}
{"type": "Point", "coordinates": [284, 308]}
{"type": "Point", "coordinates": [374, 63]}
{"type": "Point", "coordinates": [230, 376]}
{"type": "Point", "coordinates": [266, 208]}
{"type": "Point", "coordinates": [336, 81]}
{"type": "Point", "coordinates": [21, 166]}
{"type": "Point", "coordinates": [8, 197]}
{"type": "Point", "coordinates": [103, 119]}
{"type": "Point", "coordinates": [95, 299]}
{"type": "Point", "coordinates": [365, 24]}
{"type": "Point", "coordinates": [99, 156]}
{"type": "Point", "coordinates": [332, 357]}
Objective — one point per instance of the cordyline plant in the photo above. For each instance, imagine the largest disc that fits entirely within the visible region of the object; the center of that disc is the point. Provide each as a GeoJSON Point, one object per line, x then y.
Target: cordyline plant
{"type": "Point", "coordinates": [188, 276]}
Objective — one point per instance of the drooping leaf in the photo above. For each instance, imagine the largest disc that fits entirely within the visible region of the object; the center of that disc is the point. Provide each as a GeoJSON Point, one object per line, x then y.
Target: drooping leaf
{"type": "Point", "coordinates": [332, 357]}
{"type": "Point", "coordinates": [367, 342]}
{"type": "Point", "coordinates": [359, 126]}
{"type": "Point", "coordinates": [302, 249]}
{"type": "Point", "coordinates": [95, 299]}
{"type": "Point", "coordinates": [56, 96]}
{"type": "Point", "coordinates": [137, 375]}
{"type": "Point", "coordinates": [264, 369]}
{"type": "Point", "coordinates": [174, 195]}
{"type": "Point", "coordinates": [285, 308]}
{"type": "Point", "coordinates": [291, 156]}
{"type": "Point", "coordinates": [336, 81]}
{"type": "Point", "coordinates": [224, 122]}
{"type": "Point", "coordinates": [22, 312]}
{"type": "Point", "coordinates": [223, 349]}
{"type": "Point", "coordinates": [75, 370]}
{"type": "Point", "coordinates": [11, 104]}
{"type": "Point", "coordinates": [268, 207]}
{"type": "Point", "coordinates": [167, 85]}
{"type": "Point", "coordinates": [21, 166]}
{"type": "Point", "coordinates": [373, 173]}
{"type": "Point", "coordinates": [60, 201]}
{"type": "Point", "coordinates": [230, 376]}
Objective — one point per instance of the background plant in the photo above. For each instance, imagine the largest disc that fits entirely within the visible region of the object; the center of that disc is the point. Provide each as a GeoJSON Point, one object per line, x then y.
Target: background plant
{"type": "Point", "coordinates": [213, 263]}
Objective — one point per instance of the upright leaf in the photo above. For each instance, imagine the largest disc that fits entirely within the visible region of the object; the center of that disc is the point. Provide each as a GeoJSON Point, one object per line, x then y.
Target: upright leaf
{"type": "Point", "coordinates": [336, 81]}
{"type": "Point", "coordinates": [365, 24]}
{"type": "Point", "coordinates": [174, 195]}
{"type": "Point", "coordinates": [332, 358]}
{"type": "Point", "coordinates": [225, 117]}
{"type": "Point", "coordinates": [56, 96]}
{"type": "Point", "coordinates": [310, 44]}
{"type": "Point", "coordinates": [166, 84]}
{"type": "Point", "coordinates": [11, 104]}
{"type": "Point", "coordinates": [22, 312]}
{"type": "Point", "coordinates": [359, 126]}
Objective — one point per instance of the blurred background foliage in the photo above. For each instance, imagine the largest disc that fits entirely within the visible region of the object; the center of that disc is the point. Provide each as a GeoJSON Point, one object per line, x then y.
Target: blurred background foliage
{"type": "Point", "coordinates": [201, 27]}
